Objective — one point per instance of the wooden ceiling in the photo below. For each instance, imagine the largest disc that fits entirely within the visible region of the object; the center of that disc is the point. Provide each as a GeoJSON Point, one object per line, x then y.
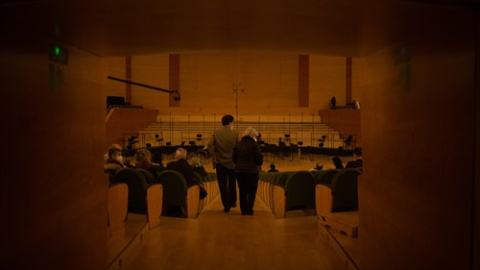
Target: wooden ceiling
{"type": "Point", "coordinates": [125, 27]}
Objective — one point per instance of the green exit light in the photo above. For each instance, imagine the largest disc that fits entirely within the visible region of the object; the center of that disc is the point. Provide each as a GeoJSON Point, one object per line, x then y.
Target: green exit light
{"type": "Point", "coordinates": [58, 54]}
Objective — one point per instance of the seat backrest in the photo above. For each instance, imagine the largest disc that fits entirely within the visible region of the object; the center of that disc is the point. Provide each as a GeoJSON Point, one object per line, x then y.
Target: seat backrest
{"type": "Point", "coordinates": [324, 176]}
{"type": "Point", "coordinates": [300, 190]}
{"type": "Point", "coordinates": [281, 178]}
{"type": "Point", "coordinates": [111, 173]}
{"type": "Point", "coordinates": [148, 176]}
{"type": "Point", "coordinates": [137, 189]}
{"type": "Point", "coordinates": [212, 176]}
{"type": "Point", "coordinates": [345, 190]}
{"type": "Point", "coordinates": [198, 178]}
{"type": "Point", "coordinates": [174, 187]}
{"type": "Point", "coordinates": [117, 207]}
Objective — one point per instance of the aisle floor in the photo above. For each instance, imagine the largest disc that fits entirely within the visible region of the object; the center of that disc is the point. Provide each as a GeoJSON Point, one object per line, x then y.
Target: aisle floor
{"type": "Point", "coordinates": [218, 240]}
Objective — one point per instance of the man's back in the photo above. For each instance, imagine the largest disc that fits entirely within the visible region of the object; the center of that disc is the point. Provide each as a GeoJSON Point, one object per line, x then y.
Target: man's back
{"type": "Point", "coordinates": [354, 164]}
{"type": "Point", "coordinates": [184, 168]}
{"type": "Point", "coordinates": [221, 146]}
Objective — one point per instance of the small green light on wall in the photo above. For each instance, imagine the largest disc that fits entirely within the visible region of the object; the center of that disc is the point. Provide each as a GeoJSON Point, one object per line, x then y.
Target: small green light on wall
{"type": "Point", "coordinates": [58, 54]}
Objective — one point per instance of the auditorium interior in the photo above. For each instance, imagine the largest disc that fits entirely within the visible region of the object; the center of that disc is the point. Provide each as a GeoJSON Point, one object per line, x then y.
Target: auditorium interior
{"type": "Point", "coordinates": [79, 76]}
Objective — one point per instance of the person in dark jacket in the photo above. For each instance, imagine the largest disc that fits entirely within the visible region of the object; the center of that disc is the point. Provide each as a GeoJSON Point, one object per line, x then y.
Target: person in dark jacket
{"type": "Point", "coordinates": [337, 161]}
{"type": "Point", "coordinates": [247, 158]}
{"type": "Point", "coordinates": [272, 168]}
{"type": "Point", "coordinates": [181, 165]}
{"type": "Point", "coordinates": [157, 162]}
{"type": "Point", "coordinates": [357, 159]}
{"type": "Point", "coordinates": [143, 159]}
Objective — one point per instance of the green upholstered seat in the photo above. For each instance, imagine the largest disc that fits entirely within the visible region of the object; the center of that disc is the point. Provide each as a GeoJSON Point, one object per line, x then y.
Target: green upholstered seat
{"type": "Point", "coordinates": [137, 189]}
{"type": "Point", "coordinates": [345, 190]}
{"type": "Point", "coordinates": [324, 176]}
{"type": "Point", "coordinates": [300, 190]}
{"type": "Point", "coordinates": [174, 187]}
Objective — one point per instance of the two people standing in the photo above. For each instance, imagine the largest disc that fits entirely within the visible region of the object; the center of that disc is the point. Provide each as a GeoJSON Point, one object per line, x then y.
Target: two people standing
{"type": "Point", "coordinates": [234, 159]}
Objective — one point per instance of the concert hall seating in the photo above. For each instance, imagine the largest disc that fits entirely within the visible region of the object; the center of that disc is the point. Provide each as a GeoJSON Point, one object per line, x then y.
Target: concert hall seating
{"type": "Point", "coordinates": [287, 191]}
{"type": "Point", "coordinates": [324, 176]}
{"type": "Point", "coordinates": [177, 193]}
{"type": "Point", "coordinates": [122, 201]}
{"type": "Point", "coordinates": [201, 183]}
{"type": "Point", "coordinates": [148, 176]}
{"type": "Point", "coordinates": [117, 207]}
{"type": "Point", "coordinates": [154, 205]}
{"type": "Point", "coordinates": [137, 189]}
{"type": "Point", "coordinates": [212, 186]}
{"type": "Point", "coordinates": [337, 203]}
{"type": "Point", "coordinates": [342, 193]}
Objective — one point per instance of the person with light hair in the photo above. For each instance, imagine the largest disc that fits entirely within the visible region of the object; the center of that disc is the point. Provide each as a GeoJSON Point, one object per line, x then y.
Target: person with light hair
{"type": "Point", "coordinates": [198, 167]}
{"type": "Point", "coordinates": [181, 165]}
{"type": "Point", "coordinates": [247, 158]}
{"type": "Point", "coordinates": [112, 148]}
{"type": "Point", "coordinates": [143, 159]}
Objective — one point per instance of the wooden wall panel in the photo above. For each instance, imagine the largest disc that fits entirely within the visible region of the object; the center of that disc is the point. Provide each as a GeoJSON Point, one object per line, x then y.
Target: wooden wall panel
{"type": "Point", "coordinates": [151, 70]}
{"type": "Point", "coordinates": [327, 79]}
{"type": "Point", "coordinates": [416, 190]}
{"type": "Point", "coordinates": [303, 80]}
{"type": "Point", "coordinates": [128, 77]}
{"type": "Point", "coordinates": [346, 122]}
{"type": "Point", "coordinates": [348, 80]}
{"type": "Point", "coordinates": [270, 82]}
{"type": "Point", "coordinates": [54, 191]}
{"type": "Point", "coordinates": [174, 78]}
{"type": "Point", "coordinates": [126, 121]}
{"type": "Point", "coordinates": [356, 80]}
{"type": "Point", "coordinates": [207, 83]}
{"type": "Point", "coordinates": [116, 68]}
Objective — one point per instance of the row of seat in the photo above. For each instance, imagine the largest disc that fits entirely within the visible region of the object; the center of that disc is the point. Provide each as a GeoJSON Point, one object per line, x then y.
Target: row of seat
{"type": "Point", "coordinates": [118, 201]}
{"type": "Point", "coordinates": [285, 191]}
{"type": "Point", "coordinates": [130, 192]}
{"type": "Point", "coordinates": [331, 194]}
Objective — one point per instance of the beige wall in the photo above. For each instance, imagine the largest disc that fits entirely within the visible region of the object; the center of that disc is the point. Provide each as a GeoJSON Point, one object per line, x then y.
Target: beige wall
{"type": "Point", "coordinates": [416, 190]}
{"type": "Point", "coordinates": [53, 195]}
{"type": "Point", "coordinates": [269, 80]}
